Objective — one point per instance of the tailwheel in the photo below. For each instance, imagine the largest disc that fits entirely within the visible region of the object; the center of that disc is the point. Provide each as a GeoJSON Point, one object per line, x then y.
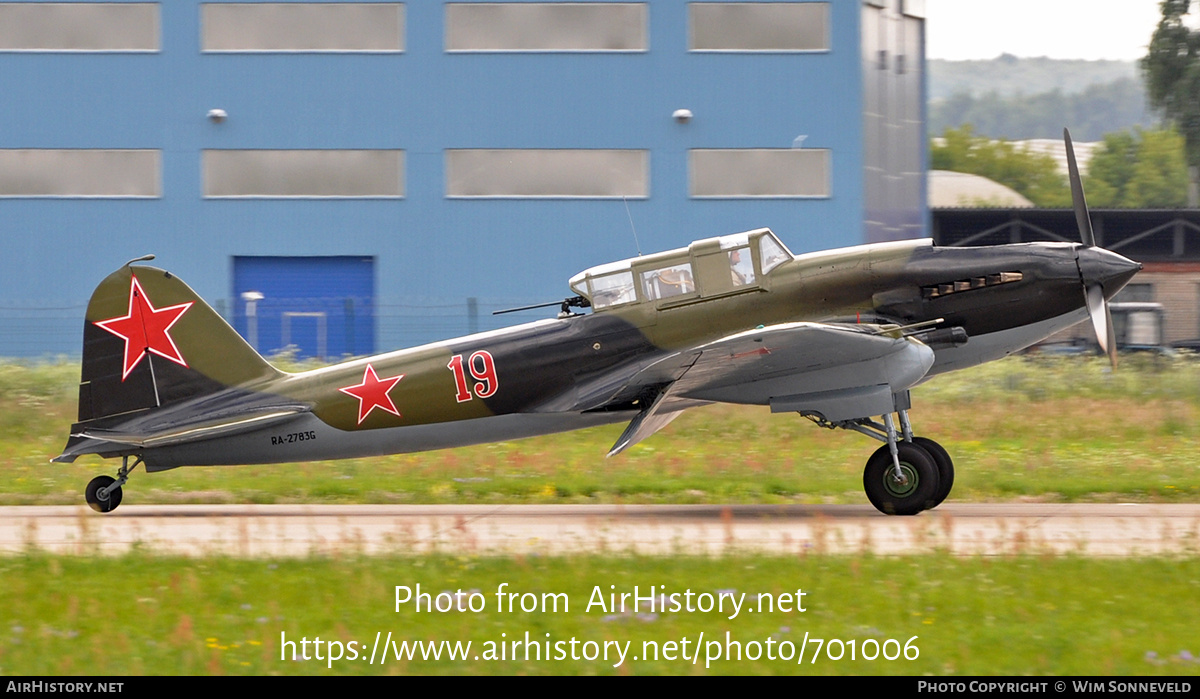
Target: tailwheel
{"type": "Point", "coordinates": [945, 467]}
{"type": "Point", "coordinates": [101, 496]}
{"type": "Point", "coordinates": [103, 493]}
{"type": "Point", "coordinates": [906, 490]}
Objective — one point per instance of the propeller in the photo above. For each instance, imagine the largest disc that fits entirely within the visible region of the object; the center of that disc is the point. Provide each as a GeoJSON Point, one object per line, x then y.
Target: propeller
{"type": "Point", "coordinates": [1097, 305]}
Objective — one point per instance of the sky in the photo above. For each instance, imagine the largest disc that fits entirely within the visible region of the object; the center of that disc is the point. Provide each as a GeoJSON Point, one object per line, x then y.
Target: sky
{"type": "Point", "coordinates": [1088, 29]}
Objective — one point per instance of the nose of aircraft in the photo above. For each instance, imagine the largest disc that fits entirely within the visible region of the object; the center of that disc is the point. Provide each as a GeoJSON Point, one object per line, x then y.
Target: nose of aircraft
{"type": "Point", "coordinates": [1106, 268]}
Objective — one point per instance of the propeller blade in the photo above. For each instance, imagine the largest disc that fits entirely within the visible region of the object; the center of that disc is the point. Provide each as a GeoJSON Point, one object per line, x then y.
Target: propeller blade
{"type": "Point", "coordinates": [1112, 336]}
{"type": "Point", "coordinates": [1095, 306]}
{"type": "Point", "coordinates": [1102, 322]}
{"type": "Point", "coordinates": [1082, 219]}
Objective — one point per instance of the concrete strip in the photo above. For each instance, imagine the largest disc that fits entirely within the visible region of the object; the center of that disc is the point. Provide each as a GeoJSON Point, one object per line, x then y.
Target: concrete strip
{"type": "Point", "coordinates": [299, 530]}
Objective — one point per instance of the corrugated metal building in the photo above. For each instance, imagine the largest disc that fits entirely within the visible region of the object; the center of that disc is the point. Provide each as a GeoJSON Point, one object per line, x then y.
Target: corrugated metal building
{"type": "Point", "coordinates": [353, 177]}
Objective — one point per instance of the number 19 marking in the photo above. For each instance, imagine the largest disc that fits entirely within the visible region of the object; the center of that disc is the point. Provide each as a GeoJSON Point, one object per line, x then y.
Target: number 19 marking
{"type": "Point", "coordinates": [483, 370]}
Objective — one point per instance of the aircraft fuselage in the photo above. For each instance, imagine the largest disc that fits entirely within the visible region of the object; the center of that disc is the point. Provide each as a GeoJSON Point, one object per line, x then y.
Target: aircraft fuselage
{"type": "Point", "coordinates": [838, 336]}
{"type": "Point", "coordinates": [550, 375]}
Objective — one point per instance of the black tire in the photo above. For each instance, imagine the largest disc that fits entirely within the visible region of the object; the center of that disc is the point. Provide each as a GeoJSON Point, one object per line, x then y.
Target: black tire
{"type": "Point", "coordinates": [92, 494]}
{"type": "Point", "coordinates": [891, 498]}
{"type": "Point", "coordinates": [945, 467]}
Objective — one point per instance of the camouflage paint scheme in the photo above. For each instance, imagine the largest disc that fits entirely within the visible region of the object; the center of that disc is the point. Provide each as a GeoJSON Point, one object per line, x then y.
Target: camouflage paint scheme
{"type": "Point", "coordinates": [838, 336]}
{"type": "Point", "coordinates": [824, 320]}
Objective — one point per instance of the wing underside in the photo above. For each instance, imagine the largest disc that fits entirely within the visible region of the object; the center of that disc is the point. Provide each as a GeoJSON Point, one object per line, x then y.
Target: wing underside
{"type": "Point", "coordinates": [838, 371]}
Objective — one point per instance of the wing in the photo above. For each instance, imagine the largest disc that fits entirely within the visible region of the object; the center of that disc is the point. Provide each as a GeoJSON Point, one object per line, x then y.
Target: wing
{"type": "Point", "coordinates": [838, 371]}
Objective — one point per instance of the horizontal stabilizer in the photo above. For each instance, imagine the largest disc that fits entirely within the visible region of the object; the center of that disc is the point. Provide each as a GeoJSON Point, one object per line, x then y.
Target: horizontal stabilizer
{"type": "Point", "coordinates": [166, 433]}
{"type": "Point", "coordinates": [219, 428]}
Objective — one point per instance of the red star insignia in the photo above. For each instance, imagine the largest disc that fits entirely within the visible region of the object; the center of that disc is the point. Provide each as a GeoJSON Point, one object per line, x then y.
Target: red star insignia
{"type": "Point", "coordinates": [752, 353]}
{"type": "Point", "coordinates": [373, 393]}
{"type": "Point", "coordinates": [146, 329]}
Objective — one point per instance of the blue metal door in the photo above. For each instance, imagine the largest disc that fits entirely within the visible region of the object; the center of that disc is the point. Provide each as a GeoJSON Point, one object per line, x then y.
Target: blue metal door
{"type": "Point", "coordinates": [320, 306]}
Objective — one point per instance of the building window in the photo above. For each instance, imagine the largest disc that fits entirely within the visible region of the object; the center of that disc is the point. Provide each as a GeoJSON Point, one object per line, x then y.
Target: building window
{"type": "Point", "coordinates": [46, 172]}
{"type": "Point", "coordinates": [303, 173]}
{"type": "Point", "coordinates": [302, 28]}
{"type": "Point", "coordinates": [759, 172]}
{"type": "Point", "coordinates": [530, 173]}
{"type": "Point", "coordinates": [759, 26]}
{"type": "Point", "coordinates": [552, 26]}
{"type": "Point", "coordinates": [79, 27]}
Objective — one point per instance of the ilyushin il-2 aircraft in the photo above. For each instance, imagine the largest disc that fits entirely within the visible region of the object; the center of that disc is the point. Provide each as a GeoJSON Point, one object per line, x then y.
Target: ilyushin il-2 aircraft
{"type": "Point", "coordinates": [839, 337]}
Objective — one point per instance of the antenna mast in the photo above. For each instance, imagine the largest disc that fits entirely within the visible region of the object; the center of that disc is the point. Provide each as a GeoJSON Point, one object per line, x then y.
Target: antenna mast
{"type": "Point", "coordinates": [636, 244]}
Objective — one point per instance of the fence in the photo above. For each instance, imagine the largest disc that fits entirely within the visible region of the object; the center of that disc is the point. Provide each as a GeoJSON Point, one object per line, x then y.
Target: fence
{"type": "Point", "coordinates": [41, 332]}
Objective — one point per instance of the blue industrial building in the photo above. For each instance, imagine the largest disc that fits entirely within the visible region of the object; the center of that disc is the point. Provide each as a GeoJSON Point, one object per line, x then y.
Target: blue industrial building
{"type": "Point", "coordinates": [356, 177]}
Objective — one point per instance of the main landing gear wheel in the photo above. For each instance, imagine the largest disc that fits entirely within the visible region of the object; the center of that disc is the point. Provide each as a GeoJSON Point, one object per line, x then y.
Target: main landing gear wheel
{"type": "Point", "coordinates": [100, 494]}
{"type": "Point", "coordinates": [920, 475]}
{"type": "Point", "coordinates": [912, 491]}
{"type": "Point", "coordinates": [945, 467]}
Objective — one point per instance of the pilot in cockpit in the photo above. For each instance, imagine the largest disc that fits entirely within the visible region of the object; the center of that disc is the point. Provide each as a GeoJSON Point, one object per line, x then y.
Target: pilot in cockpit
{"type": "Point", "coordinates": [739, 268]}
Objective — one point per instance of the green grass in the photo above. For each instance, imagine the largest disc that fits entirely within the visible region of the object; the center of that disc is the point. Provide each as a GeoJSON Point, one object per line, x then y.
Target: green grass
{"type": "Point", "coordinates": [139, 614]}
{"type": "Point", "coordinates": [1060, 430]}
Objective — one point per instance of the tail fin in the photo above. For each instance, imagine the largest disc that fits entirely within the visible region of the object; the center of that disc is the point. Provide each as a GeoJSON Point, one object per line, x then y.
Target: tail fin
{"type": "Point", "coordinates": [149, 341]}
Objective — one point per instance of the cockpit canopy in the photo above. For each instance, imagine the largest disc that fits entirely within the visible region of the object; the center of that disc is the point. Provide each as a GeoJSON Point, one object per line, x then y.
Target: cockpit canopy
{"type": "Point", "coordinates": [711, 267]}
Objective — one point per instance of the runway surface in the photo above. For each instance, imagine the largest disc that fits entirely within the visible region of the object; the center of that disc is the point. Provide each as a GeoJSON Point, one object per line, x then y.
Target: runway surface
{"type": "Point", "coordinates": [299, 530]}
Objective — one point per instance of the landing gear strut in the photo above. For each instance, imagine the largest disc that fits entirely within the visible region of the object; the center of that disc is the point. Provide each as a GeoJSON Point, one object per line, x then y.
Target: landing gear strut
{"type": "Point", "coordinates": [907, 474]}
{"type": "Point", "coordinates": [103, 493]}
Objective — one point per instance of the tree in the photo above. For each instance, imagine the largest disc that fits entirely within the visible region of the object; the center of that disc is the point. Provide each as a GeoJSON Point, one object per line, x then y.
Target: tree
{"type": "Point", "coordinates": [1033, 175]}
{"type": "Point", "coordinates": [1138, 169]}
{"type": "Point", "coordinates": [1172, 69]}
